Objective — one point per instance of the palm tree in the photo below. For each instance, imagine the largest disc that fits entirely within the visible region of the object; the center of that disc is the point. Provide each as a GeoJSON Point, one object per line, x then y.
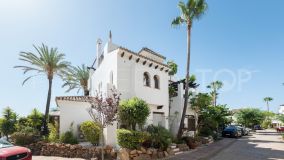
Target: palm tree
{"type": "Point", "coordinates": [190, 11]}
{"type": "Point", "coordinates": [77, 78]}
{"type": "Point", "coordinates": [48, 62]}
{"type": "Point", "coordinates": [215, 86]}
{"type": "Point", "coordinates": [267, 100]}
{"type": "Point", "coordinates": [8, 124]}
{"type": "Point", "coordinates": [173, 70]}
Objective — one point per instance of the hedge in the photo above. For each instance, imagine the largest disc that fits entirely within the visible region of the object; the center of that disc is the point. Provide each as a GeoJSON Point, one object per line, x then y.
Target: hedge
{"type": "Point", "coordinates": [131, 139]}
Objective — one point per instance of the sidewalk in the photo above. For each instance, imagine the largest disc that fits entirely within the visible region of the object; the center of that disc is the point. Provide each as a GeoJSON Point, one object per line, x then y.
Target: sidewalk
{"type": "Point", "coordinates": [204, 152]}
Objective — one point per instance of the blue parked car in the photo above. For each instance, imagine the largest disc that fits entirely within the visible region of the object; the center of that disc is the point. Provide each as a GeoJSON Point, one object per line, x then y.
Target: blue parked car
{"type": "Point", "coordinates": [232, 131]}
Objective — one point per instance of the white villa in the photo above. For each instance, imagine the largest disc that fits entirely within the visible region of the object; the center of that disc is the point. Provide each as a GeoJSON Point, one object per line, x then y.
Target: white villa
{"type": "Point", "coordinates": [143, 75]}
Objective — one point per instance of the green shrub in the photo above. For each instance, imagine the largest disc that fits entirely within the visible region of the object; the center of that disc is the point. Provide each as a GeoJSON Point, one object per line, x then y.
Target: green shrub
{"type": "Point", "coordinates": [131, 139]}
{"type": "Point", "coordinates": [91, 131]}
{"type": "Point", "coordinates": [68, 137]}
{"type": "Point", "coordinates": [205, 131]}
{"type": "Point", "coordinates": [160, 137]}
{"type": "Point", "coordinates": [25, 136]}
{"type": "Point", "coordinates": [266, 124]}
{"type": "Point", "coordinates": [132, 112]}
{"type": "Point", "coordinates": [54, 133]}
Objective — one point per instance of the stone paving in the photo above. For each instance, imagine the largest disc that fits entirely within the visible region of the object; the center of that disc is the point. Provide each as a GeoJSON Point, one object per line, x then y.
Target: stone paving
{"type": "Point", "coordinates": [263, 145]}
{"type": "Point", "coordinates": [204, 152]}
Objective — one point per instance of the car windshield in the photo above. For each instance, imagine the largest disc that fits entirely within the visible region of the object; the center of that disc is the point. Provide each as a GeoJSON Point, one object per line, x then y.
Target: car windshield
{"type": "Point", "coordinates": [231, 127]}
{"type": "Point", "coordinates": [4, 144]}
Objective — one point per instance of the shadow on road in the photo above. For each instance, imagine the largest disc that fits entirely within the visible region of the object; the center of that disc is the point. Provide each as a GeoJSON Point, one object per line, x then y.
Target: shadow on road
{"type": "Point", "coordinates": [254, 148]}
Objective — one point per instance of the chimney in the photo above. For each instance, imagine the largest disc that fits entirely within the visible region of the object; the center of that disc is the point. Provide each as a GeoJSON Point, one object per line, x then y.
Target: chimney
{"type": "Point", "coordinates": [110, 37]}
{"type": "Point", "coordinates": [99, 51]}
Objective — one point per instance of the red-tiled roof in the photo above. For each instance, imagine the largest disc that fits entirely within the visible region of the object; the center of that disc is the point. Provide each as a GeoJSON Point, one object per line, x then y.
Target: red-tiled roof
{"type": "Point", "coordinates": [139, 55]}
{"type": "Point", "coordinates": [152, 52]}
{"type": "Point", "coordinates": [74, 98]}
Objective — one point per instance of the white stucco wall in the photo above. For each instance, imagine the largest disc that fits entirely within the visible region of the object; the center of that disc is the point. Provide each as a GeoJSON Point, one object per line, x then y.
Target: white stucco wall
{"type": "Point", "coordinates": [72, 112]}
{"type": "Point", "coordinates": [102, 74]}
{"type": "Point", "coordinates": [130, 84]}
{"type": "Point", "coordinates": [177, 104]}
{"type": "Point", "coordinates": [77, 113]}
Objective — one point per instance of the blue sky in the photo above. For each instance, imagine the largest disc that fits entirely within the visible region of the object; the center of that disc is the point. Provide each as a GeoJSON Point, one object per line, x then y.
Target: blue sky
{"type": "Point", "coordinates": [238, 42]}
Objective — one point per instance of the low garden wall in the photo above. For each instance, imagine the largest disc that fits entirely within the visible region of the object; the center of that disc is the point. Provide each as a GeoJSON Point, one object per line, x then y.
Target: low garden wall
{"type": "Point", "coordinates": [77, 151]}
{"type": "Point", "coordinates": [70, 151]}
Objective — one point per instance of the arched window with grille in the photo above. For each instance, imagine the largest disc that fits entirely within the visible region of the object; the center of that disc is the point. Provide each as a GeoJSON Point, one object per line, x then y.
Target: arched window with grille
{"type": "Point", "coordinates": [146, 79]}
{"type": "Point", "coordinates": [157, 82]}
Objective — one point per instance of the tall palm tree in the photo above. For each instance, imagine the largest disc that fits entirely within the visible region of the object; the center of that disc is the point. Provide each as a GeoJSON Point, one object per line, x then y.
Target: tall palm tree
{"type": "Point", "coordinates": [192, 10]}
{"type": "Point", "coordinates": [77, 78]}
{"type": "Point", "coordinates": [267, 100]}
{"type": "Point", "coordinates": [215, 86]}
{"type": "Point", "coordinates": [48, 62]}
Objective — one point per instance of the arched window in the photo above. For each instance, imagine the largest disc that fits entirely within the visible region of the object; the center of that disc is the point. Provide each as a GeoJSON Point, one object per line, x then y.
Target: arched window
{"type": "Point", "coordinates": [111, 77]}
{"type": "Point", "coordinates": [157, 82]}
{"type": "Point", "coordinates": [146, 79]}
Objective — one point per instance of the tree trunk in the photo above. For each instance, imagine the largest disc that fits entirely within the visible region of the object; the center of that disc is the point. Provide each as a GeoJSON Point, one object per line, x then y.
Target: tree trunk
{"type": "Point", "coordinates": [102, 143]}
{"type": "Point", "coordinates": [267, 106]}
{"type": "Point", "coordinates": [46, 115]}
{"type": "Point", "coordinates": [181, 126]}
{"type": "Point", "coordinates": [86, 92]}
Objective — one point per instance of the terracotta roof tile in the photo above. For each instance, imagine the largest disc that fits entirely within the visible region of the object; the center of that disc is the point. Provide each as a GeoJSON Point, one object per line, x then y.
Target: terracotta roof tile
{"type": "Point", "coordinates": [143, 56]}
{"type": "Point", "coordinates": [151, 51]}
{"type": "Point", "coordinates": [74, 98]}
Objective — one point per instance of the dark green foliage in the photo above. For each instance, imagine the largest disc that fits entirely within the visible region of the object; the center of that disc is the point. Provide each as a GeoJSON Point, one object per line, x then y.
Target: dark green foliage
{"type": "Point", "coordinates": [8, 123]}
{"type": "Point", "coordinates": [35, 119]}
{"type": "Point", "coordinates": [250, 117]}
{"type": "Point", "coordinates": [160, 137]}
{"type": "Point", "coordinates": [173, 67]}
{"type": "Point", "coordinates": [131, 139]}
{"type": "Point", "coordinates": [205, 131]}
{"type": "Point", "coordinates": [91, 131]}
{"type": "Point", "coordinates": [25, 136]}
{"type": "Point", "coordinates": [77, 78]}
{"type": "Point", "coordinates": [133, 112]}
{"type": "Point", "coordinates": [68, 137]}
{"type": "Point", "coordinates": [211, 118]}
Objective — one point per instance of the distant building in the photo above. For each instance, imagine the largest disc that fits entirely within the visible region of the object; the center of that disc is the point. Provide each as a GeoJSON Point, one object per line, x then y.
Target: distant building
{"type": "Point", "coordinates": [281, 109]}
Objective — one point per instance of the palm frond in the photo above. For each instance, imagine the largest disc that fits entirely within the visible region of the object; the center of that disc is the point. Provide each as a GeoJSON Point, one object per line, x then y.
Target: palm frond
{"type": "Point", "coordinates": [200, 9]}
{"type": "Point", "coordinates": [77, 77]}
{"type": "Point", "coordinates": [28, 79]}
{"type": "Point", "coordinates": [177, 21]}
{"type": "Point", "coordinates": [44, 60]}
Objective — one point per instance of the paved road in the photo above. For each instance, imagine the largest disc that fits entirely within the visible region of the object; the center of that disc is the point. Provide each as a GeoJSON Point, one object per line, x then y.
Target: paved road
{"type": "Point", "coordinates": [263, 145]}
